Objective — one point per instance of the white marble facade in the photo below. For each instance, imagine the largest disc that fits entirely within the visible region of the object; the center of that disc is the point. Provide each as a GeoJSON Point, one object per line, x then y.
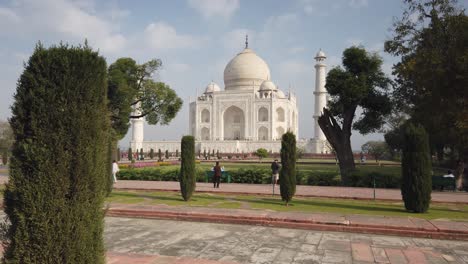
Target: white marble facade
{"type": "Point", "coordinates": [250, 113]}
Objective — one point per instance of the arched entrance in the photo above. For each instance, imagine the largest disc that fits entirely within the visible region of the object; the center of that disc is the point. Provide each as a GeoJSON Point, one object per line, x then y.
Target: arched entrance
{"type": "Point", "coordinates": [205, 133]}
{"type": "Point", "coordinates": [234, 124]}
{"type": "Point", "coordinates": [263, 133]}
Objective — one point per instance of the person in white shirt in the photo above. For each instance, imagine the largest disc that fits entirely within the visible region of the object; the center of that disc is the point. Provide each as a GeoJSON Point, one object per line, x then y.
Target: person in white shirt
{"type": "Point", "coordinates": [115, 169]}
{"type": "Point", "coordinates": [449, 174]}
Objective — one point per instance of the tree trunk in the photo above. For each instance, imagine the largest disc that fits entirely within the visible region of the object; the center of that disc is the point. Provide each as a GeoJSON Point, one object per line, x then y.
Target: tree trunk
{"type": "Point", "coordinates": [459, 174]}
{"type": "Point", "coordinates": [340, 140]}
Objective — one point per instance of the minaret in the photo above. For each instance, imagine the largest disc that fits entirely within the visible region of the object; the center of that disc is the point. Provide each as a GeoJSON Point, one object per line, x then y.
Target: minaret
{"type": "Point", "coordinates": [320, 92]}
{"type": "Point", "coordinates": [137, 129]}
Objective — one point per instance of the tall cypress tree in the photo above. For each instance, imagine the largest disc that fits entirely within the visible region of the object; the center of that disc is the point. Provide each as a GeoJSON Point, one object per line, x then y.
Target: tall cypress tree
{"type": "Point", "coordinates": [59, 165]}
{"type": "Point", "coordinates": [5, 157]}
{"type": "Point", "coordinates": [130, 154]}
{"type": "Point", "coordinates": [159, 155]}
{"type": "Point", "coordinates": [288, 167]}
{"type": "Point", "coordinates": [416, 169]}
{"type": "Point", "coordinates": [118, 154]}
{"type": "Point", "coordinates": [167, 154]}
{"type": "Point", "coordinates": [187, 167]}
{"type": "Point", "coordinates": [142, 156]}
{"type": "Point", "coordinates": [151, 154]}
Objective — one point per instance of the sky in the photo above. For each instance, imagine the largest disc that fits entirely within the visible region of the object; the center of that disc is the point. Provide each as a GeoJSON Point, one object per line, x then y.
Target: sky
{"type": "Point", "coordinates": [195, 39]}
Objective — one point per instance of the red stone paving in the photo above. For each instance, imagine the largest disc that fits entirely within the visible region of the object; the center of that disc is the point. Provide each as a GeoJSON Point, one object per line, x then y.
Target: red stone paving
{"type": "Point", "coordinates": [404, 226]}
{"type": "Point", "coordinates": [395, 256]}
{"type": "Point", "coordinates": [415, 256]}
{"type": "Point", "coordinates": [302, 190]}
{"type": "Point", "coordinates": [122, 258]}
{"type": "Point", "coordinates": [362, 252]}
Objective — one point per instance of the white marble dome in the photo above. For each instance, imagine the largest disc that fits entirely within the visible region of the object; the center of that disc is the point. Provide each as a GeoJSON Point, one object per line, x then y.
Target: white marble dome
{"type": "Point", "coordinates": [212, 87]}
{"type": "Point", "coordinates": [320, 55]}
{"type": "Point", "coordinates": [245, 71]}
{"type": "Point", "coordinates": [267, 86]}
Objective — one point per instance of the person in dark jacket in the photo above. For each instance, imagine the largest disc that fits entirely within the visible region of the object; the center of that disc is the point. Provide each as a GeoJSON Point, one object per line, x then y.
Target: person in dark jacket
{"type": "Point", "coordinates": [217, 175]}
{"type": "Point", "coordinates": [275, 167]}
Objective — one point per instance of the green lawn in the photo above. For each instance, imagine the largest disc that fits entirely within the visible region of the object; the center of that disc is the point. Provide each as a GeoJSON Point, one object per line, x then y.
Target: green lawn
{"type": "Point", "coordinates": [256, 202]}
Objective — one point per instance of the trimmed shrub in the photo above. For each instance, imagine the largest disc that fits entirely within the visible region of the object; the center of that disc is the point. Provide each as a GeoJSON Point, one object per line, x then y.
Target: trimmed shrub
{"type": "Point", "coordinates": [159, 155]}
{"type": "Point", "coordinates": [167, 154]}
{"type": "Point", "coordinates": [151, 154]}
{"type": "Point", "coordinates": [59, 167]}
{"type": "Point", "coordinates": [142, 156]}
{"type": "Point", "coordinates": [187, 167]}
{"type": "Point", "coordinates": [288, 167]}
{"type": "Point", "coordinates": [130, 154]}
{"type": "Point", "coordinates": [416, 169]}
{"type": "Point", "coordinates": [5, 157]}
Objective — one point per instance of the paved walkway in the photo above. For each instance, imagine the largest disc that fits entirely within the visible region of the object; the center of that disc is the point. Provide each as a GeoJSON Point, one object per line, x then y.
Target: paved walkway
{"type": "Point", "coordinates": [302, 190]}
{"type": "Point", "coordinates": [406, 226]}
{"type": "Point", "coordinates": [163, 241]}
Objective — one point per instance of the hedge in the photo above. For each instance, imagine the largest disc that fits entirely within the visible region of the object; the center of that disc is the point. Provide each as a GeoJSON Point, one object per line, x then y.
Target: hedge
{"type": "Point", "coordinates": [263, 176]}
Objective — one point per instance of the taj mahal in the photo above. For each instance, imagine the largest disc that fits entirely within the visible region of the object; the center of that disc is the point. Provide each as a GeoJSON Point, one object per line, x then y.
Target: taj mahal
{"type": "Point", "coordinates": [251, 112]}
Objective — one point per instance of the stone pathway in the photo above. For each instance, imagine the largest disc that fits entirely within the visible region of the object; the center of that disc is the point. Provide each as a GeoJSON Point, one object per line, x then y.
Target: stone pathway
{"type": "Point", "coordinates": [302, 190]}
{"type": "Point", "coordinates": [369, 224]}
{"type": "Point", "coordinates": [164, 241]}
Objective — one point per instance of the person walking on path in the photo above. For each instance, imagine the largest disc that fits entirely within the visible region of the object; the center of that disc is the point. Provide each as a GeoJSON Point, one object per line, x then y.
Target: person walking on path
{"type": "Point", "coordinates": [275, 172]}
{"type": "Point", "coordinates": [217, 175]}
{"type": "Point", "coordinates": [115, 170]}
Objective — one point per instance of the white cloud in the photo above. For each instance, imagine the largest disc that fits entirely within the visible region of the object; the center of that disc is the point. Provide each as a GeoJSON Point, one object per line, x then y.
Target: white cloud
{"type": "Point", "coordinates": [215, 8]}
{"type": "Point", "coordinates": [358, 3]}
{"type": "Point", "coordinates": [234, 40]}
{"type": "Point", "coordinates": [72, 20]}
{"type": "Point", "coordinates": [8, 15]}
{"type": "Point", "coordinates": [162, 36]}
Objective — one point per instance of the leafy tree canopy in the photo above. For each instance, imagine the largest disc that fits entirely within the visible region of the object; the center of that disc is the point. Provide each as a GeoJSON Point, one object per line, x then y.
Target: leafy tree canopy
{"type": "Point", "coordinates": [359, 83]}
{"type": "Point", "coordinates": [133, 93]}
{"type": "Point", "coordinates": [431, 38]}
{"type": "Point", "coordinates": [261, 153]}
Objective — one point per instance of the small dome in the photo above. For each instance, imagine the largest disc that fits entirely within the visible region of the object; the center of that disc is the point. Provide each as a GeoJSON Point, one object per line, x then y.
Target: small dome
{"type": "Point", "coordinates": [212, 87]}
{"type": "Point", "coordinates": [245, 71]}
{"type": "Point", "coordinates": [320, 55]}
{"type": "Point", "coordinates": [267, 85]}
{"type": "Point", "coordinates": [280, 94]}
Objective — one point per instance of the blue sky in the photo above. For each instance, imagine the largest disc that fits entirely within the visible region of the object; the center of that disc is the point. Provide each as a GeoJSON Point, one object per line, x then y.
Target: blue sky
{"type": "Point", "coordinates": [195, 39]}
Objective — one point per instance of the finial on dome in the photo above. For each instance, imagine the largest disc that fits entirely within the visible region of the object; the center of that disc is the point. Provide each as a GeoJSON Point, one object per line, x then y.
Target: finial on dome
{"type": "Point", "coordinates": [246, 41]}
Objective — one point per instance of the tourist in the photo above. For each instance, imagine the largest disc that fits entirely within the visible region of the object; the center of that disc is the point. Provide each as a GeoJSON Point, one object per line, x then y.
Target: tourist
{"type": "Point", "coordinates": [275, 172]}
{"type": "Point", "coordinates": [449, 174]}
{"type": "Point", "coordinates": [115, 170]}
{"type": "Point", "coordinates": [216, 175]}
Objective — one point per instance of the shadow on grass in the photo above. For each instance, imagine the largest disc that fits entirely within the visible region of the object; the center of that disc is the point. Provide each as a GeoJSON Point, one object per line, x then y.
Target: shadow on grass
{"type": "Point", "coordinates": [172, 197]}
{"type": "Point", "coordinates": [324, 204]}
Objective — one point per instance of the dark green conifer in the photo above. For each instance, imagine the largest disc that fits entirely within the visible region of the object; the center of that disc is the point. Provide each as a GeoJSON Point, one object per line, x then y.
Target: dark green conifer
{"type": "Point", "coordinates": [288, 167]}
{"type": "Point", "coordinates": [416, 169]}
{"type": "Point", "coordinates": [151, 154]}
{"type": "Point", "coordinates": [59, 167]}
{"type": "Point", "coordinates": [130, 154]}
{"type": "Point", "coordinates": [187, 176]}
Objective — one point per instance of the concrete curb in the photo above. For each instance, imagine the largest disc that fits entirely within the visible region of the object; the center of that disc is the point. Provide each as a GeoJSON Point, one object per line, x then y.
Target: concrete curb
{"type": "Point", "coordinates": [346, 226]}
